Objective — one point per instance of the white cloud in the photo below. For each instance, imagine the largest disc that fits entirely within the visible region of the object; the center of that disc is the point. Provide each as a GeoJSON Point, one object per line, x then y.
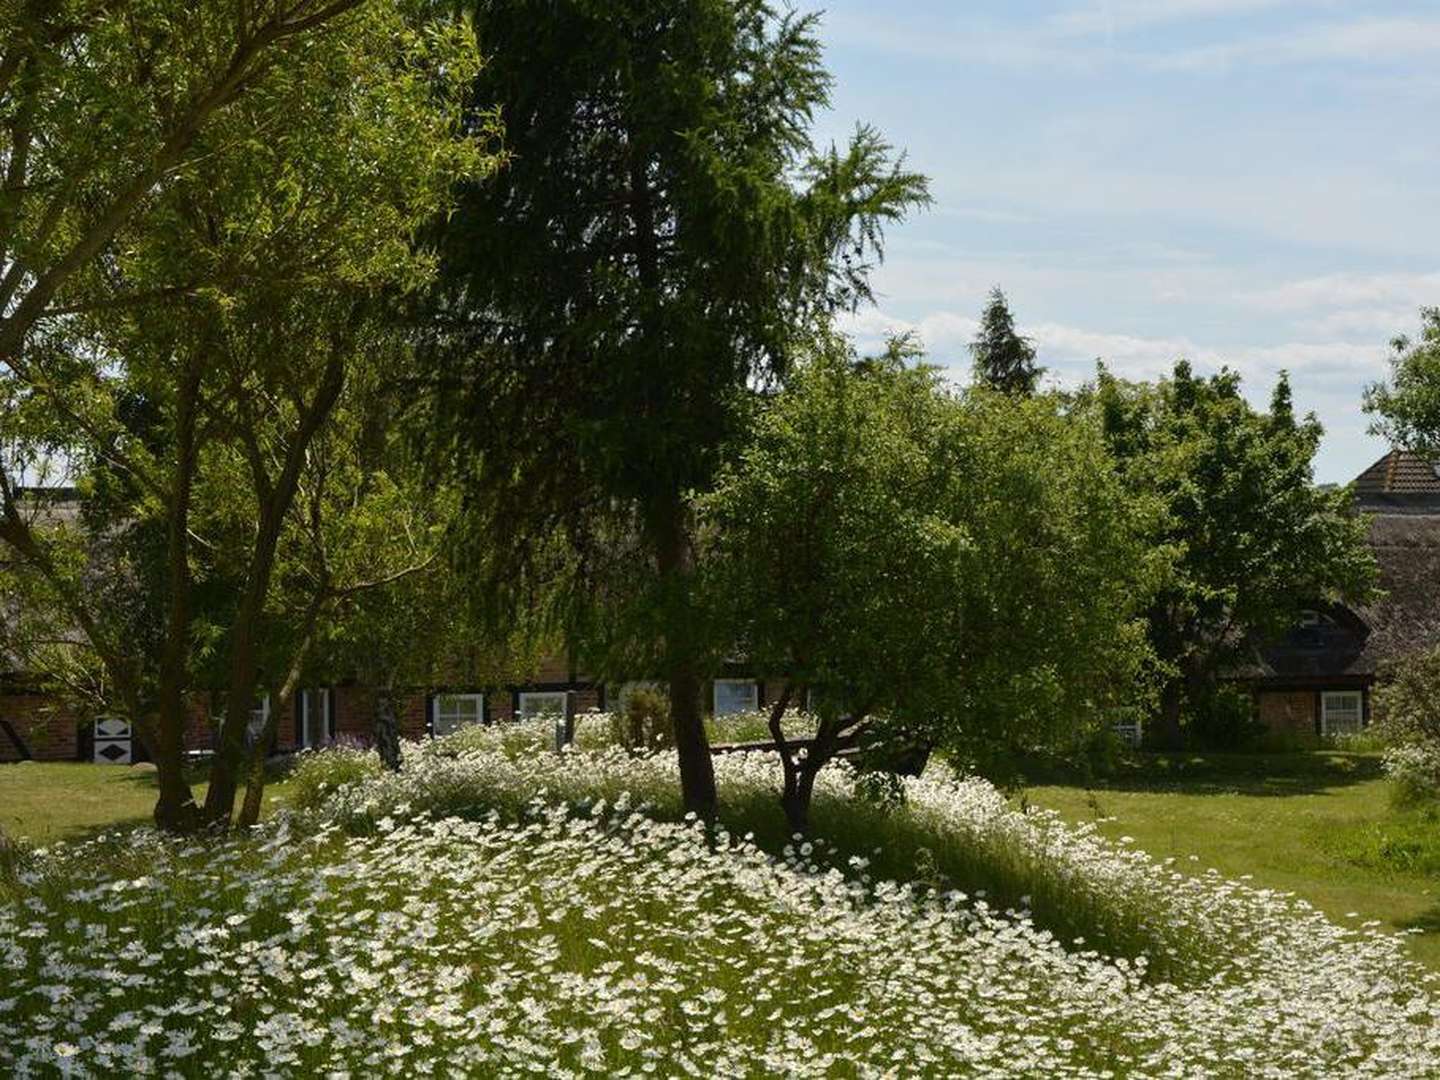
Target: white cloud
{"type": "Point", "coordinates": [1072, 350]}
{"type": "Point", "coordinates": [1361, 40]}
{"type": "Point", "coordinates": [1349, 291]}
{"type": "Point", "coordinates": [1114, 16]}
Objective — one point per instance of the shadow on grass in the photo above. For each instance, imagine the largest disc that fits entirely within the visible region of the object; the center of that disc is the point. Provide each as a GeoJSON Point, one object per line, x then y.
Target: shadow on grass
{"type": "Point", "coordinates": [1306, 772]}
{"type": "Point", "coordinates": [1428, 921]}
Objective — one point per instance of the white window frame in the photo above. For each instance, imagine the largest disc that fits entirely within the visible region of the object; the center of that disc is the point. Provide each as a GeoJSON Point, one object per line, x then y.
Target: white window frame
{"type": "Point", "coordinates": [259, 720]}
{"type": "Point", "coordinates": [523, 710]}
{"type": "Point", "coordinates": [1129, 731]}
{"type": "Point", "coordinates": [753, 684]}
{"type": "Point", "coordinates": [306, 696]}
{"type": "Point", "coordinates": [478, 699]}
{"type": "Point", "coordinates": [1326, 698]}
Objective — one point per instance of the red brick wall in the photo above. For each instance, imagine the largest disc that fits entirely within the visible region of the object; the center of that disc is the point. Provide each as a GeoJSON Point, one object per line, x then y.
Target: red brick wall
{"type": "Point", "coordinates": [199, 728]}
{"type": "Point", "coordinates": [49, 729]}
{"type": "Point", "coordinates": [355, 713]}
{"type": "Point", "coordinates": [1290, 711]}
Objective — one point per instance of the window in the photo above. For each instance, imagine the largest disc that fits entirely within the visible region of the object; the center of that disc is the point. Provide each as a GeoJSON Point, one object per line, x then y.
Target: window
{"type": "Point", "coordinates": [1128, 731]}
{"type": "Point", "coordinates": [736, 696]}
{"type": "Point", "coordinates": [316, 717]}
{"type": "Point", "coordinates": [1341, 712]}
{"type": "Point", "coordinates": [451, 712]}
{"type": "Point", "coordinates": [537, 703]}
{"type": "Point", "coordinates": [259, 718]}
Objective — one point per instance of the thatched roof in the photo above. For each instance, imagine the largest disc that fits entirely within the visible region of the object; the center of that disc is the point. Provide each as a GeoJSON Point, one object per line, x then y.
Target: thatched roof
{"type": "Point", "coordinates": [1407, 618]}
{"type": "Point", "coordinates": [1401, 494]}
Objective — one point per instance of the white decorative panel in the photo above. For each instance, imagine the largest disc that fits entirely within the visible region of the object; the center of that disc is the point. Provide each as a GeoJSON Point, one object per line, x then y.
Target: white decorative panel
{"type": "Point", "coordinates": [112, 742]}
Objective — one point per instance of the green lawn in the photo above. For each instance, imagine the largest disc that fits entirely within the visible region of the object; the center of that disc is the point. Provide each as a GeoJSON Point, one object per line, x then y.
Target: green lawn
{"type": "Point", "coordinates": [42, 802]}
{"type": "Point", "coordinates": [1318, 824]}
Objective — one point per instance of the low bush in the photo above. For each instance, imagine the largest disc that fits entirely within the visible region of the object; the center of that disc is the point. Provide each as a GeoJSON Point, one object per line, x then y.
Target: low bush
{"type": "Point", "coordinates": [1223, 719]}
{"type": "Point", "coordinates": [1413, 770]}
{"type": "Point", "coordinates": [644, 723]}
{"type": "Point", "coordinates": [318, 774]}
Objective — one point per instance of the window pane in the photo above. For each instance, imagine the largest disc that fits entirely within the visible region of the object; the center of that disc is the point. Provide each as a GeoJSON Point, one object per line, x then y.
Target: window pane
{"type": "Point", "coordinates": [735, 696]}
{"type": "Point", "coordinates": [1341, 713]}
{"type": "Point", "coordinates": [454, 711]}
{"type": "Point", "coordinates": [536, 704]}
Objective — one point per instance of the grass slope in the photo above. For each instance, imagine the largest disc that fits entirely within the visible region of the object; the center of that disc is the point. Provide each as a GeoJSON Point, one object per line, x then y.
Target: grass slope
{"type": "Point", "coordinates": [453, 920]}
{"type": "Point", "coordinates": [1318, 823]}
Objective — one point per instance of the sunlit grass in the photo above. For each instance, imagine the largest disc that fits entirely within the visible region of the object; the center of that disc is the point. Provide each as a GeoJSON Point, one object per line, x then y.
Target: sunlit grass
{"type": "Point", "coordinates": [1319, 823]}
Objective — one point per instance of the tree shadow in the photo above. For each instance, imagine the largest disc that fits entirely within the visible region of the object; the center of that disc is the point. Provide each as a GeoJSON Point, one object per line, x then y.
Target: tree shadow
{"type": "Point", "coordinates": [1428, 921]}
{"type": "Point", "coordinates": [1307, 772]}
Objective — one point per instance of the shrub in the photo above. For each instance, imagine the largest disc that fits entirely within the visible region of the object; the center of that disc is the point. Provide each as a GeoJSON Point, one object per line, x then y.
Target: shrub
{"type": "Point", "coordinates": [1224, 719]}
{"type": "Point", "coordinates": [318, 774]}
{"type": "Point", "coordinates": [1413, 770]}
{"type": "Point", "coordinates": [644, 724]}
{"type": "Point", "coordinates": [1407, 700]}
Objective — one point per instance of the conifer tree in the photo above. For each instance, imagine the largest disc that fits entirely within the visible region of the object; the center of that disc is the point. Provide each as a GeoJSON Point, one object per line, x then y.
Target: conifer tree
{"type": "Point", "coordinates": [1003, 359]}
{"type": "Point", "coordinates": [664, 234]}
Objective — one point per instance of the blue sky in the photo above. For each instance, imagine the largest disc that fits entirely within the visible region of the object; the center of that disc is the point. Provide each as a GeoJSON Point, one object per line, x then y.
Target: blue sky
{"type": "Point", "coordinates": [1245, 182]}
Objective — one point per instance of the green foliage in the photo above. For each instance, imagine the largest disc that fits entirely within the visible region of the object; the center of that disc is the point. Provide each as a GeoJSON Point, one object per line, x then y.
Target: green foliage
{"type": "Point", "coordinates": [1406, 700]}
{"type": "Point", "coordinates": [1252, 540]}
{"type": "Point", "coordinates": [663, 234]}
{"type": "Point", "coordinates": [1223, 718]}
{"type": "Point", "coordinates": [1413, 771]}
{"type": "Point", "coordinates": [1004, 360]}
{"type": "Point", "coordinates": [966, 567]}
{"type": "Point", "coordinates": [644, 723]}
{"type": "Point", "coordinates": [214, 210]}
{"type": "Point", "coordinates": [1407, 409]}
{"type": "Point", "coordinates": [318, 775]}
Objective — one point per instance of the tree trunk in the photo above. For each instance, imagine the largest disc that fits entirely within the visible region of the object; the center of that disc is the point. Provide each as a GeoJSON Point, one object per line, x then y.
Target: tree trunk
{"type": "Point", "coordinates": [1171, 698]}
{"type": "Point", "coordinates": [692, 746]}
{"type": "Point", "coordinates": [387, 726]}
{"type": "Point", "coordinates": [274, 505]}
{"type": "Point", "coordinates": [254, 783]}
{"type": "Point", "coordinates": [799, 794]}
{"type": "Point", "coordinates": [176, 810]}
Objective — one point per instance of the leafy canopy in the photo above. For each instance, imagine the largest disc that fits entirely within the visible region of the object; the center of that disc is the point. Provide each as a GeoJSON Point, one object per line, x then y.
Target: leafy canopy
{"type": "Point", "coordinates": [1407, 409]}
{"type": "Point", "coordinates": [662, 236]}
{"type": "Point", "coordinates": [966, 568]}
{"type": "Point", "coordinates": [1253, 539]}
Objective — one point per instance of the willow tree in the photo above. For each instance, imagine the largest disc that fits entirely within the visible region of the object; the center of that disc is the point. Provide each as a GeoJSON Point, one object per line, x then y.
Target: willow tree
{"type": "Point", "coordinates": [665, 231]}
{"type": "Point", "coordinates": [207, 205]}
